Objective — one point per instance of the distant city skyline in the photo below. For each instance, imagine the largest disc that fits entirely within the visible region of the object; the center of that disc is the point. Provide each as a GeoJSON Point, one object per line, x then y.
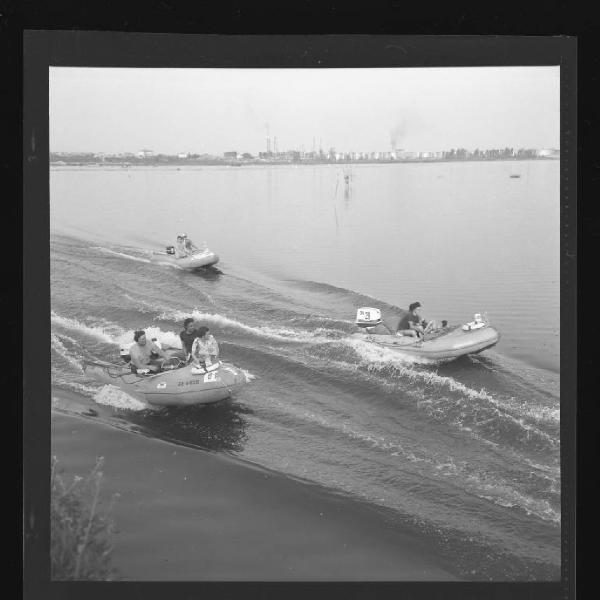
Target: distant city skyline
{"type": "Point", "coordinates": [148, 152]}
{"type": "Point", "coordinates": [212, 111]}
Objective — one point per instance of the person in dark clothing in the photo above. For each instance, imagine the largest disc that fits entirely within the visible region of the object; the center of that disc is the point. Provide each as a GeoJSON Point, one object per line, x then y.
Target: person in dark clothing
{"type": "Point", "coordinates": [188, 335]}
{"type": "Point", "coordinates": [410, 323]}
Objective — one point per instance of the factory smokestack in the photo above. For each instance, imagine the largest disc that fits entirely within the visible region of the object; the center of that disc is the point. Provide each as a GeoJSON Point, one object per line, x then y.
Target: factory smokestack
{"type": "Point", "coordinates": [268, 139]}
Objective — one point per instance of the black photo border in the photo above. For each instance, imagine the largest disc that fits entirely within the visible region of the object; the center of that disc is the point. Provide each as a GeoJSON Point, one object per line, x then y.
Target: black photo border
{"type": "Point", "coordinates": [45, 48]}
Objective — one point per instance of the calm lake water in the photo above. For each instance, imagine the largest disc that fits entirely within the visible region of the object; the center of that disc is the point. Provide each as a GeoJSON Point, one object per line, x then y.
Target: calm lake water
{"type": "Point", "coordinates": [466, 452]}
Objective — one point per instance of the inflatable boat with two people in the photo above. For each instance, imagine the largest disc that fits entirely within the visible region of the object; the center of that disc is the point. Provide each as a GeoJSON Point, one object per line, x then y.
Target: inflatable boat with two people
{"type": "Point", "coordinates": [186, 255]}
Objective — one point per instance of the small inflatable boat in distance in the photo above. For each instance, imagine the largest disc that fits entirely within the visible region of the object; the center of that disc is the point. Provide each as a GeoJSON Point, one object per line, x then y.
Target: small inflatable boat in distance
{"type": "Point", "coordinates": [199, 259]}
{"type": "Point", "coordinates": [177, 384]}
{"type": "Point", "coordinates": [443, 344]}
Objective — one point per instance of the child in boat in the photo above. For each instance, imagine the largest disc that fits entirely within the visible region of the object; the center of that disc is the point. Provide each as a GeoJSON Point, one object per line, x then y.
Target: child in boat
{"type": "Point", "coordinates": [205, 350]}
{"type": "Point", "coordinates": [433, 326]}
{"type": "Point", "coordinates": [180, 249]}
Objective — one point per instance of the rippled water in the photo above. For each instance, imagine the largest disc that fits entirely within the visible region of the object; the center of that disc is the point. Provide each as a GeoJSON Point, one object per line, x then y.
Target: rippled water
{"type": "Point", "coordinates": [466, 452]}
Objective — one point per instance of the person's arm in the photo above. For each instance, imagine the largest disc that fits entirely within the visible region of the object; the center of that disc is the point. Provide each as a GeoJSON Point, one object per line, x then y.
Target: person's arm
{"type": "Point", "coordinates": [414, 324]}
{"type": "Point", "coordinates": [431, 325]}
{"type": "Point", "coordinates": [214, 348]}
{"type": "Point", "coordinates": [184, 346]}
{"type": "Point", "coordinates": [195, 354]}
{"type": "Point", "coordinates": [156, 348]}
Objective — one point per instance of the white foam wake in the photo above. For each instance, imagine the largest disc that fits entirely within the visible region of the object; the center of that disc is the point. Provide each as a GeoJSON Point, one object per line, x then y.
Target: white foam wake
{"type": "Point", "coordinates": [111, 333]}
{"type": "Point", "coordinates": [117, 398]}
{"type": "Point", "coordinates": [378, 359]}
{"type": "Point", "coordinates": [249, 376]}
{"type": "Point", "coordinates": [535, 412]}
{"type": "Point", "coordinates": [476, 482]}
{"type": "Point", "coordinates": [122, 254]}
{"type": "Point", "coordinates": [377, 355]}
{"type": "Point", "coordinates": [99, 332]}
{"type": "Point", "coordinates": [286, 334]}
{"type": "Point", "coordinates": [60, 349]}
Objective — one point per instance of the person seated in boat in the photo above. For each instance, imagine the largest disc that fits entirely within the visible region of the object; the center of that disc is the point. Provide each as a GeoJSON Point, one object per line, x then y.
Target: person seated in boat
{"type": "Point", "coordinates": [410, 323]}
{"type": "Point", "coordinates": [205, 350]}
{"type": "Point", "coordinates": [433, 326]}
{"type": "Point", "coordinates": [180, 249]}
{"type": "Point", "coordinates": [190, 247]}
{"type": "Point", "coordinates": [144, 353]}
{"type": "Point", "coordinates": [188, 335]}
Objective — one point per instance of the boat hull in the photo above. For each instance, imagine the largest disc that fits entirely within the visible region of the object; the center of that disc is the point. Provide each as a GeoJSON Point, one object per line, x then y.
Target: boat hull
{"type": "Point", "coordinates": [457, 342]}
{"type": "Point", "coordinates": [179, 387]}
{"type": "Point", "coordinates": [200, 260]}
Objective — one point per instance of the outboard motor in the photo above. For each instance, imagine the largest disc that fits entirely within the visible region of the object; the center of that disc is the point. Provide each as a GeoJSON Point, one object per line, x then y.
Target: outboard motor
{"type": "Point", "coordinates": [368, 317]}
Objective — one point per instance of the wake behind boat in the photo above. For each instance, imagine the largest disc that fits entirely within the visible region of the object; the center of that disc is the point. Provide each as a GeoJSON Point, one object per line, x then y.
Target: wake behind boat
{"type": "Point", "coordinates": [198, 260]}
{"type": "Point", "coordinates": [443, 344]}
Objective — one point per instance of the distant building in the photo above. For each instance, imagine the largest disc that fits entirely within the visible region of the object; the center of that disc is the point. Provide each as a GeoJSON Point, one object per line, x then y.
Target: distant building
{"type": "Point", "coordinates": [406, 155]}
{"type": "Point", "coordinates": [183, 155]}
{"type": "Point", "coordinates": [231, 155]}
{"type": "Point", "coordinates": [549, 153]}
{"type": "Point", "coordinates": [145, 153]}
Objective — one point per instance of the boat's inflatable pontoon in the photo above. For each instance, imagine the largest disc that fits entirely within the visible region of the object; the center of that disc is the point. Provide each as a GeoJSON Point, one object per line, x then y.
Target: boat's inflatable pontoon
{"type": "Point", "coordinates": [177, 384]}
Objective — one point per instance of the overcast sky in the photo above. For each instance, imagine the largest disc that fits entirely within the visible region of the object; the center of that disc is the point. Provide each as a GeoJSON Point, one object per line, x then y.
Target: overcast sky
{"type": "Point", "coordinates": [217, 110]}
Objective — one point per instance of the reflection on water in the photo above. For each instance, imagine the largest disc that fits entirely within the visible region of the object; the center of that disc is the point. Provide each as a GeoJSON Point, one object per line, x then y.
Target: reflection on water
{"type": "Point", "coordinates": [217, 427]}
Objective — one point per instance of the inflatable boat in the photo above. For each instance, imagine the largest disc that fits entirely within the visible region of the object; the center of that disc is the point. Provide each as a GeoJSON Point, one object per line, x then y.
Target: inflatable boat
{"type": "Point", "coordinates": [178, 384]}
{"type": "Point", "coordinates": [442, 344]}
{"type": "Point", "coordinates": [198, 260]}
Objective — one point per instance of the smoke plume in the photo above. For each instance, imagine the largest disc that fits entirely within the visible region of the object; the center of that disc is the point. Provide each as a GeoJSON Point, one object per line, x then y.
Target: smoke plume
{"type": "Point", "coordinates": [397, 134]}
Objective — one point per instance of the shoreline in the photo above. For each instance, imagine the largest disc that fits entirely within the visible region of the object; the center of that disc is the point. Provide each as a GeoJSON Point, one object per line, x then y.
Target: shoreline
{"type": "Point", "coordinates": [217, 163]}
{"type": "Point", "coordinates": [186, 514]}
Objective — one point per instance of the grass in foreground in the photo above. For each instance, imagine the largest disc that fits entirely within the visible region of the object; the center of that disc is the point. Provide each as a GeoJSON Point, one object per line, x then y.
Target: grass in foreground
{"type": "Point", "coordinates": [80, 545]}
